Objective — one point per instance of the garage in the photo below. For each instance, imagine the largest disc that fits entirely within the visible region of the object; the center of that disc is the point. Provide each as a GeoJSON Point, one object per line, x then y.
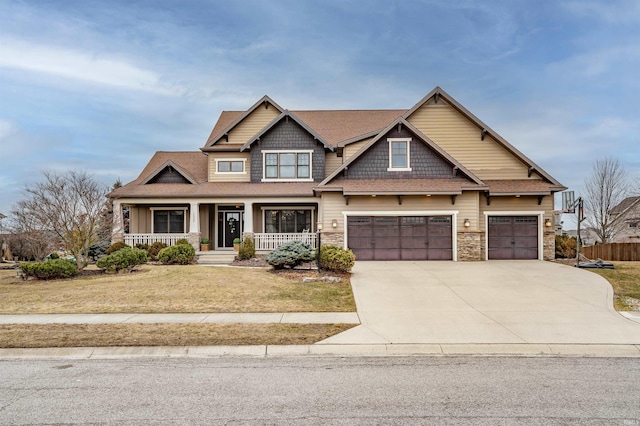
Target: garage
{"type": "Point", "coordinates": [400, 237]}
{"type": "Point", "coordinates": [513, 237]}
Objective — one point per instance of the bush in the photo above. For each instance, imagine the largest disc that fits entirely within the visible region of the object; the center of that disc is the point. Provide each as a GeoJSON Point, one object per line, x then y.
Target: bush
{"type": "Point", "coordinates": [290, 255]}
{"type": "Point", "coordinates": [54, 256]}
{"type": "Point", "coordinates": [181, 254]}
{"type": "Point", "coordinates": [182, 241]}
{"type": "Point", "coordinates": [115, 247]}
{"type": "Point", "coordinates": [336, 258]}
{"type": "Point", "coordinates": [154, 249]}
{"type": "Point", "coordinates": [51, 269]}
{"type": "Point", "coordinates": [98, 249]}
{"type": "Point", "coordinates": [127, 258]}
{"type": "Point", "coordinates": [565, 246]}
{"type": "Point", "coordinates": [247, 249]}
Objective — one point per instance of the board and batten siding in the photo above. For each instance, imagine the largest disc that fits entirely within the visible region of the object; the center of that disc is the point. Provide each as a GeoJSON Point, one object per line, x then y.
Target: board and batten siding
{"type": "Point", "coordinates": [459, 137]}
{"type": "Point", "coordinates": [251, 125]}
{"type": "Point", "coordinates": [229, 177]}
{"type": "Point", "coordinates": [334, 204]}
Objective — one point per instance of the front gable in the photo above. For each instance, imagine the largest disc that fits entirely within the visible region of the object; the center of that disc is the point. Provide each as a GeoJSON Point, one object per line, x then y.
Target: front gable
{"type": "Point", "coordinates": [244, 125]}
{"type": "Point", "coordinates": [426, 160]}
{"type": "Point", "coordinates": [169, 172]}
{"type": "Point", "coordinates": [482, 150]}
{"type": "Point", "coordinates": [285, 136]}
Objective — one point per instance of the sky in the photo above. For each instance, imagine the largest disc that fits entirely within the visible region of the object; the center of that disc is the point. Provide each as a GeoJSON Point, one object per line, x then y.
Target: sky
{"type": "Point", "coordinates": [99, 86]}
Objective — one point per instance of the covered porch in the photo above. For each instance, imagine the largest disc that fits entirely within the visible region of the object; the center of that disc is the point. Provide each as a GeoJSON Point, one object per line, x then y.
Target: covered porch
{"type": "Point", "coordinates": [268, 222]}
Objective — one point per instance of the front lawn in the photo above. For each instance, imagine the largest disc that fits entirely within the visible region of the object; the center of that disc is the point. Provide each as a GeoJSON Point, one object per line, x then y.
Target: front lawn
{"type": "Point", "coordinates": [174, 289]}
{"type": "Point", "coordinates": [625, 280]}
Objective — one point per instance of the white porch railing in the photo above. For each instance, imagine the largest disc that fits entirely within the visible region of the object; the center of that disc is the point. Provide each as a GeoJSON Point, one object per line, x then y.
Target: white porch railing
{"type": "Point", "coordinates": [271, 241]}
{"type": "Point", "coordinates": [168, 239]}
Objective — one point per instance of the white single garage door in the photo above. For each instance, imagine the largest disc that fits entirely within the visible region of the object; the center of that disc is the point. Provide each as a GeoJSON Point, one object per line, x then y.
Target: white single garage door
{"type": "Point", "coordinates": [400, 237]}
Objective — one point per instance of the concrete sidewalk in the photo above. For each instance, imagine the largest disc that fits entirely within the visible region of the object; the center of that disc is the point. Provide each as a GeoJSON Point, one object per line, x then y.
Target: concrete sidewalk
{"type": "Point", "coordinates": [204, 318]}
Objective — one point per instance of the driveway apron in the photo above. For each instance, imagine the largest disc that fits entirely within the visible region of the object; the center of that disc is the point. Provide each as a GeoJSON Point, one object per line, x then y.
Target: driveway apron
{"type": "Point", "coordinates": [484, 302]}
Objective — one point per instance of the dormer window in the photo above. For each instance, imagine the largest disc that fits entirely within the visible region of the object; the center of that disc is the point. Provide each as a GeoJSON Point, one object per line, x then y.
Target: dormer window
{"type": "Point", "coordinates": [399, 154]}
{"type": "Point", "coordinates": [227, 166]}
{"type": "Point", "coordinates": [287, 166]}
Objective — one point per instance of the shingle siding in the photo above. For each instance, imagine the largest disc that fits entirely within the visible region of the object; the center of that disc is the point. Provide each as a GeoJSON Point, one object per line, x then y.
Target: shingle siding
{"type": "Point", "coordinates": [424, 162]}
{"type": "Point", "coordinates": [289, 136]}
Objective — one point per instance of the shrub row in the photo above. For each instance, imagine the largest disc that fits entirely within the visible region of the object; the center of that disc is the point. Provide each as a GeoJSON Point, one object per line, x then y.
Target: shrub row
{"type": "Point", "coordinates": [51, 269]}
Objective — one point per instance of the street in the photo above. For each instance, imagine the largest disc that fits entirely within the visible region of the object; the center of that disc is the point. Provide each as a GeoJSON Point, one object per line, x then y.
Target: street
{"type": "Point", "coordinates": [303, 390]}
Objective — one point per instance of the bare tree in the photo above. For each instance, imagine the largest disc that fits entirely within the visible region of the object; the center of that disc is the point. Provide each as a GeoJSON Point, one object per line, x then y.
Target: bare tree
{"type": "Point", "coordinates": [605, 188]}
{"type": "Point", "coordinates": [69, 206]}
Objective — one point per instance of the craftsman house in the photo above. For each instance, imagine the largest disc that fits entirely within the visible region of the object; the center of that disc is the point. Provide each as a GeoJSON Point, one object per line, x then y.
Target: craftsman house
{"type": "Point", "coordinates": [432, 182]}
{"type": "Point", "coordinates": [626, 220]}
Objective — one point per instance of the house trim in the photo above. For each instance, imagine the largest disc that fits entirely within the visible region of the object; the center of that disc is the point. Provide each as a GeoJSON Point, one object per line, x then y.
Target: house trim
{"type": "Point", "coordinates": [538, 213]}
{"type": "Point", "coordinates": [452, 213]}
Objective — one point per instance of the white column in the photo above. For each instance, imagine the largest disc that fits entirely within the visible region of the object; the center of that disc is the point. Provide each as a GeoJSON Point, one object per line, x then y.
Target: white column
{"type": "Point", "coordinates": [118, 226]}
{"type": "Point", "coordinates": [194, 217]}
{"type": "Point", "coordinates": [248, 217]}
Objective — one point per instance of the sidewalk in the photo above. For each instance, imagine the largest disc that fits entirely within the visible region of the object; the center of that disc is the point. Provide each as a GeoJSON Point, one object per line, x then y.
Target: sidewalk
{"type": "Point", "coordinates": [204, 318]}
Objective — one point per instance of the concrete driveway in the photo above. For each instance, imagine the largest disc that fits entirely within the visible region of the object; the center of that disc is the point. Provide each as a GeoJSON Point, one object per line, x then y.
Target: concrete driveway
{"type": "Point", "coordinates": [484, 302]}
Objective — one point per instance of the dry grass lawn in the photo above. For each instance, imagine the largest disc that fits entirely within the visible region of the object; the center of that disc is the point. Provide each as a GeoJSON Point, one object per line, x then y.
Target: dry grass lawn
{"type": "Point", "coordinates": [625, 280]}
{"type": "Point", "coordinates": [91, 335]}
{"type": "Point", "coordinates": [174, 289]}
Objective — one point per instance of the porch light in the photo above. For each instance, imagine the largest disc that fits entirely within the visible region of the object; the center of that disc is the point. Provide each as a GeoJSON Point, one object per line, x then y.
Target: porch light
{"type": "Point", "coordinates": [547, 222]}
{"type": "Point", "coordinates": [467, 223]}
{"type": "Point", "coordinates": [334, 223]}
{"type": "Point", "coordinates": [319, 226]}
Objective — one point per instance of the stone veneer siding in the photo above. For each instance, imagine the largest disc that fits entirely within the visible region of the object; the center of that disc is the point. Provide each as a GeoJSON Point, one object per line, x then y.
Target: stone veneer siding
{"type": "Point", "coordinates": [549, 245]}
{"type": "Point", "coordinates": [470, 246]}
{"type": "Point", "coordinates": [332, 239]}
{"type": "Point", "coordinates": [287, 136]}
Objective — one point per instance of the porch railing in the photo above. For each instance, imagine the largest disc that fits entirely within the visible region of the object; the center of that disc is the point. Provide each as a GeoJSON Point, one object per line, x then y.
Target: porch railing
{"type": "Point", "coordinates": [271, 241]}
{"type": "Point", "coordinates": [168, 239]}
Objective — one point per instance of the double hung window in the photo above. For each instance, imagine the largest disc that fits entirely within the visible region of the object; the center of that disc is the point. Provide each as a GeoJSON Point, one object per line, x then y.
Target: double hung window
{"type": "Point", "coordinates": [399, 154]}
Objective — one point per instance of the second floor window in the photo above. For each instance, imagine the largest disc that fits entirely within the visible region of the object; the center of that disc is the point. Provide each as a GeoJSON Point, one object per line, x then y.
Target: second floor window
{"type": "Point", "coordinates": [287, 165]}
{"type": "Point", "coordinates": [230, 166]}
{"type": "Point", "coordinates": [399, 154]}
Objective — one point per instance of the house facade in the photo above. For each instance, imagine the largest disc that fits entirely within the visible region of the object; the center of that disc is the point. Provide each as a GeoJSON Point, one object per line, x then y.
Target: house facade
{"type": "Point", "coordinates": [432, 182]}
{"type": "Point", "coordinates": [626, 221]}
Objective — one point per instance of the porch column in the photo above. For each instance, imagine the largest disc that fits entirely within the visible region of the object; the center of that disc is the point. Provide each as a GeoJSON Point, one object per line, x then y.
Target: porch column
{"type": "Point", "coordinates": [194, 224]}
{"type": "Point", "coordinates": [248, 217]}
{"type": "Point", "coordinates": [117, 230]}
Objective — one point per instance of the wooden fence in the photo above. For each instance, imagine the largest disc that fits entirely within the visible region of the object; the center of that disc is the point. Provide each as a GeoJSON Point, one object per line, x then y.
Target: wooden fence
{"type": "Point", "coordinates": [613, 251]}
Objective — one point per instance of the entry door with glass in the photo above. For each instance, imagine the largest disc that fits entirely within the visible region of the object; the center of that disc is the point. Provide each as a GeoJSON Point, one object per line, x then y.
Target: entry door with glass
{"type": "Point", "coordinates": [229, 227]}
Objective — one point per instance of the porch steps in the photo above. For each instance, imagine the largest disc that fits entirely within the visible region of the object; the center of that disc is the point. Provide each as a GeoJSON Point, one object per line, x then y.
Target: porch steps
{"type": "Point", "coordinates": [215, 257]}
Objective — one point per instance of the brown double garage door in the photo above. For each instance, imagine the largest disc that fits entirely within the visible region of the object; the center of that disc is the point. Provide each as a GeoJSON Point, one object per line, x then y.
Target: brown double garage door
{"type": "Point", "coordinates": [400, 237]}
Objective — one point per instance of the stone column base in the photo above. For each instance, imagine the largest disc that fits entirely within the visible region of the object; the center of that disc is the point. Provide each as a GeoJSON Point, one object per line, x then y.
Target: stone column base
{"type": "Point", "coordinates": [470, 246]}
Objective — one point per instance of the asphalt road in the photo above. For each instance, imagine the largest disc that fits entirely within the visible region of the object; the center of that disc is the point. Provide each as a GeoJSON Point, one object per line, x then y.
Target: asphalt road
{"type": "Point", "coordinates": [303, 390]}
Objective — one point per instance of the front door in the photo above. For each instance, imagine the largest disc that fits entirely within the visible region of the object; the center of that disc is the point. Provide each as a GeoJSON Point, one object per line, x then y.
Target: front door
{"type": "Point", "coordinates": [229, 227]}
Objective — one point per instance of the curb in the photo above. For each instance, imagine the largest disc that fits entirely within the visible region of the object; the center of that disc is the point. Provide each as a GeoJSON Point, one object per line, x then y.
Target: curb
{"type": "Point", "coordinates": [273, 351]}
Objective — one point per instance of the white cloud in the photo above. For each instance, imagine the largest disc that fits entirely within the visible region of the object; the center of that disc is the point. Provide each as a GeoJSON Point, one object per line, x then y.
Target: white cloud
{"type": "Point", "coordinates": [617, 12]}
{"type": "Point", "coordinates": [89, 67]}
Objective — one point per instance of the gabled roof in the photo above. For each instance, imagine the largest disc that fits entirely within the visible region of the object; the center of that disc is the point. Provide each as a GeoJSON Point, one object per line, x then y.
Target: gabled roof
{"type": "Point", "coordinates": [286, 115]}
{"type": "Point", "coordinates": [420, 135]}
{"type": "Point", "coordinates": [438, 93]}
{"type": "Point", "coordinates": [168, 163]}
{"type": "Point", "coordinates": [625, 205]}
{"type": "Point", "coordinates": [231, 119]}
{"type": "Point", "coordinates": [193, 161]}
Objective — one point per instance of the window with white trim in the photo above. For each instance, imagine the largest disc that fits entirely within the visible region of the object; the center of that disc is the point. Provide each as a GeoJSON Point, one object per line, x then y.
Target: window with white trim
{"type": "Point", "coordinates": [287, 165]}
{"type": "Point", "coordinates": [230, 166]}
{"type": "Point", "coordinates": [169, 221]}
{"type": "Point", "coordinates": [399, 154]}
